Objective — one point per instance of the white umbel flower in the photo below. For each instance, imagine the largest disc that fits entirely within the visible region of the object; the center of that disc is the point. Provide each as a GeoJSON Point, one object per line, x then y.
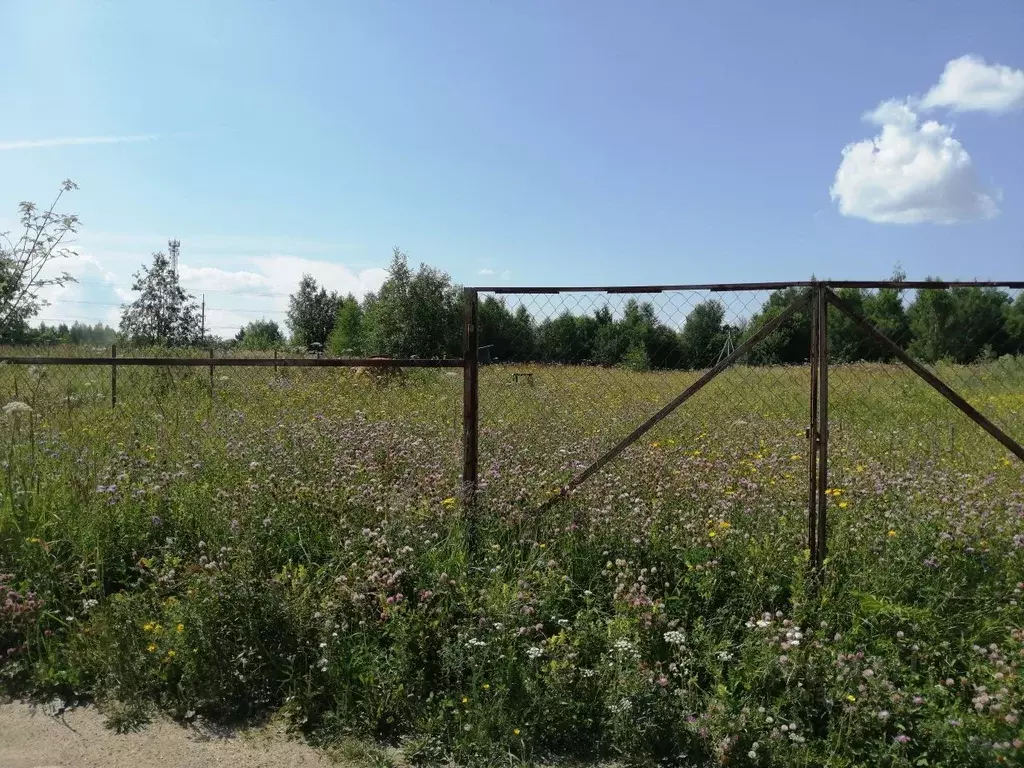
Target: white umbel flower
{"type": "Point", "coordinates": [16, 407]}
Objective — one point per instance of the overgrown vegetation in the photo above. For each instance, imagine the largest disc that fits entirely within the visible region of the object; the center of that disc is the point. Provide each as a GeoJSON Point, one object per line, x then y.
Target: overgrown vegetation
{"type": "Point", "coordinates": [297, 544]}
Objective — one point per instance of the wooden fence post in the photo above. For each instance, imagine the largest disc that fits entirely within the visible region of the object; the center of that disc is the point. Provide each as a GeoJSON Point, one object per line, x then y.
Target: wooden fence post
{"type": "Point", "coordinates": [211, 373]}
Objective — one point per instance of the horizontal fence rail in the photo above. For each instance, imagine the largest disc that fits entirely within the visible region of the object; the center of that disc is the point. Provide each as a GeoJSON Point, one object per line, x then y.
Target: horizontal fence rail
{"type": "Point", "coordinates": [239, 362]}
{"type": "Point", "coordinates": [765, 286]}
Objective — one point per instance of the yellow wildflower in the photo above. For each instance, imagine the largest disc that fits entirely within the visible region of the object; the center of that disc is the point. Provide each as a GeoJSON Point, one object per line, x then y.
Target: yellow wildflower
{"type": "Point", "coordinates": [711, 534]}
{"type": "Point", "coordinates": [515, 731]}
{"type": "Point", "coordinates": [180, 628]}
{"type": "Point", "coordinates": [725, 524]}
{"type": "Point", "coordinates": [147, 627]}
{"type": "Point", "coordinates": [151, 647]}
{"type": "Point", "coordinates": [892, 534]}
{"type": "Point", "coordinates": [487, 686]}
{"type": "Point", "coordinates": [171, 653]}
{"type": "Point", "coordinates": [449, 502]}
{"type": "Point", "coordinates": [844, 504]}
{"type": "Point", "coordinates": [465, 699]}
{"type": "Point", "coordinates": [850, 697]}
{"type": "Point", "coordinates": [796, 456]}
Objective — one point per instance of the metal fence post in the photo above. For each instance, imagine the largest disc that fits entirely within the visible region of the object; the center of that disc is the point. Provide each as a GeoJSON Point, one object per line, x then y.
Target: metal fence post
{"type": "Point", "coordinates": [822, 537]}
{"type": "Point", "coordinates": [113, 377]}
{"type": "Point", "coordinates": [470, 400]}
{"type": "Point", "coordinates": [211, 373]}
{"type": "Point", "coordinates": [813, 436]}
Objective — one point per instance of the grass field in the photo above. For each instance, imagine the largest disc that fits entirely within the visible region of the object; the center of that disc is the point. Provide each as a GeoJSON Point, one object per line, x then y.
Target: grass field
{"type": "Point", "coordinates": [296, 543]}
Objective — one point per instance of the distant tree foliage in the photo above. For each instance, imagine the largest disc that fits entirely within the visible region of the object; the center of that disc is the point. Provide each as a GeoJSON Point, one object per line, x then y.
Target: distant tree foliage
{"type": "Point", "coordinates": [418, 313]}
{"type": "Point", "coordinates": [259, 334]}
{"type": "Point", "coordinates": [346, 339]}
{"type": "Point", "coordinates": [164, 313]}
{"type": "Point", "coordinates": [311, 313]}
{"type": "Point", "coordinates": [413, 313]}
{"type": "Point", "coordinates": [98, 335]}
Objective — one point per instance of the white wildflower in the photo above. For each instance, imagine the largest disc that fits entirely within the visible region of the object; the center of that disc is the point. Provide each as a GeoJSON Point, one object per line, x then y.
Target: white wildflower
{"type": "Point", "coordinates": [16, 407]}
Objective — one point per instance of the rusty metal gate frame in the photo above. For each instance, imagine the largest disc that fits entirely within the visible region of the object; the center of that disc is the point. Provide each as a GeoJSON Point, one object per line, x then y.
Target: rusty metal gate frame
{"type": "Point", "coordinates": [819, 429]}
{"type": "Point", "coordinates": [820, 294]}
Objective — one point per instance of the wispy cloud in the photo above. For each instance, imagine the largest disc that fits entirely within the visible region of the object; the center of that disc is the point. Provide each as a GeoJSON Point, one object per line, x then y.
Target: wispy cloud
{"type": "Point", "coordinates": [71, 141]}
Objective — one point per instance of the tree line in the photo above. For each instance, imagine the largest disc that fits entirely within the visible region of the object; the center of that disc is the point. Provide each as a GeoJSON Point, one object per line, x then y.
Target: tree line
{"type": "Point", "coordinates": [419, 313]}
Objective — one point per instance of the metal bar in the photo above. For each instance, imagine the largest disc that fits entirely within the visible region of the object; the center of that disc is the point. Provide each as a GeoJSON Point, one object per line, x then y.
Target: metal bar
{"type": "Point", "coordinates": [256, 362]}
{"type": "Point", "coordinates": [649, 288]}
{"type": "Point", "coordinates": [922, 284]}
{"type": "Point", "coordinates": [938, 384]}
{"type": "Point", "coordinates": [113, 376]}
{"type": "Point", "coordinates": [765, 286]}
{"type": "Point", "coordinates": [821, 540]}
{"type": "Point", "coordinates": [470, 395]}
{"type": "Point", "coordinates": [765, 330]}
{"type": "Point", "coordinates": [812, 443]}
{"type": "Point", "coordinates": [211, 372]}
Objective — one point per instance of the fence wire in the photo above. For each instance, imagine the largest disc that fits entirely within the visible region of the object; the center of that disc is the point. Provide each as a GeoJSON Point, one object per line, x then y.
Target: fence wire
{"type": "Point", "coordinates": [567, 376]}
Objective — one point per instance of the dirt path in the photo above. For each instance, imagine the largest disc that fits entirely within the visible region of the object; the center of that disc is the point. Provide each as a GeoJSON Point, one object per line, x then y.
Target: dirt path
{"type": "Point", "coordinates": [32, 738]}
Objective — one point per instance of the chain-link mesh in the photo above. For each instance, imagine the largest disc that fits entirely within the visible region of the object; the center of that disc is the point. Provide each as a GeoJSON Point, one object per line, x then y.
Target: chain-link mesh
{"type": "Point", "coordinates": [569, 375]}
{"type": "Point", "coordinates": [895, 441]}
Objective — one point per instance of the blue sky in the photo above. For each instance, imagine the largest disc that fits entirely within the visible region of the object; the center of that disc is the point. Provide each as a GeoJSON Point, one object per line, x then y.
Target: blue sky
{"type": "Point", "coordinates": [516, 143]}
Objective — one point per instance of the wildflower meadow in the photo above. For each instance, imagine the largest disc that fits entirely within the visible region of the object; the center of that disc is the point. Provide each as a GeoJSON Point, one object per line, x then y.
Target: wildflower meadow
{"type": "Point", "coordinates": [296, 543]}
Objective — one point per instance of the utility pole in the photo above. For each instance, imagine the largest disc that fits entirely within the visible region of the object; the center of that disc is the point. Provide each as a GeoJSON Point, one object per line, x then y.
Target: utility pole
{"type": "Point", "coordinates": [202, 321]}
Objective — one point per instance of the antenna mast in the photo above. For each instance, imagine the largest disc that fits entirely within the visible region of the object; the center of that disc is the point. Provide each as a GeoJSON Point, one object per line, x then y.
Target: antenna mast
{"type": "Point", "coordinates": [173, 247]}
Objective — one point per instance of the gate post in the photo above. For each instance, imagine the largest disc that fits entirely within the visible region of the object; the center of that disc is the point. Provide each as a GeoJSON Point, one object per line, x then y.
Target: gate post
{"type": "Point", "coordinates": [822, 536]}
{"type": "Point", "coordinates": [113, 377]}
{"type": "Point", "coordinates": [813, 436]}
{"type": "Point", "coordinates": [470, 393]}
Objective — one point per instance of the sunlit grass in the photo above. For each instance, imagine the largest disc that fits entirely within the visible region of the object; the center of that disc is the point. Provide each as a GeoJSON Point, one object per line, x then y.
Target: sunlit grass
{"type": "Point", "coordinates": [296, 540]}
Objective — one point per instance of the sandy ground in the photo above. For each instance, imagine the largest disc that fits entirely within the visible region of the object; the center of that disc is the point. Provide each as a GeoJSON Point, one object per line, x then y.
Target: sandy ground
{"type": "Point", "coordinates": [32, 737]}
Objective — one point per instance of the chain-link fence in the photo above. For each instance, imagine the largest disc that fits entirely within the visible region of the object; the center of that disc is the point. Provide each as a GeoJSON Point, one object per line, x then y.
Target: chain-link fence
{"type": "Point", "coordinates": [641, 397]}
{"type": "Point", "coordinates": [784, 402]}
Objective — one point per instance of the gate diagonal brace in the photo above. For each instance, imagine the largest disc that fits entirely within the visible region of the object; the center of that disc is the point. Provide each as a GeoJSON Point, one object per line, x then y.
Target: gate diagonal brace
{"type": "Point", "coordinates": [936, 383]}
{"type": "Point", "coordinates": [765, 330]}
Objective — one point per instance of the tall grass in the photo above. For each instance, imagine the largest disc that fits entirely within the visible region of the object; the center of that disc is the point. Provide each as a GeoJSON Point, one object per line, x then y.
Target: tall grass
{"type": "Point", "coordinates": [295, 542]}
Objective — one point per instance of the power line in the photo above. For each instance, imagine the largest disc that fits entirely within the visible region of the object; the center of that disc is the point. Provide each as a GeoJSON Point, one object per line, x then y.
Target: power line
{"type": "Point", "coordinates": [212, 309]}
{"type": "Point", "coordinates": [199, 290]}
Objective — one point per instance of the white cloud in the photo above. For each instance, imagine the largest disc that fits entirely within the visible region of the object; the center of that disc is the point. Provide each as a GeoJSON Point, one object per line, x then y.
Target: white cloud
{"type": "Point", "coordinates": [914, 171]}
{"type": "Point", "coordinates": [485, 272]}
{"type": "Point", "coordinates": [245, 287]}
{"type": "Point", "coordinates": [969, 84]}
{"type": "Point", "coordinates": [69, 141]}
{"type": "Point", "coordinates": [910, 173]}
